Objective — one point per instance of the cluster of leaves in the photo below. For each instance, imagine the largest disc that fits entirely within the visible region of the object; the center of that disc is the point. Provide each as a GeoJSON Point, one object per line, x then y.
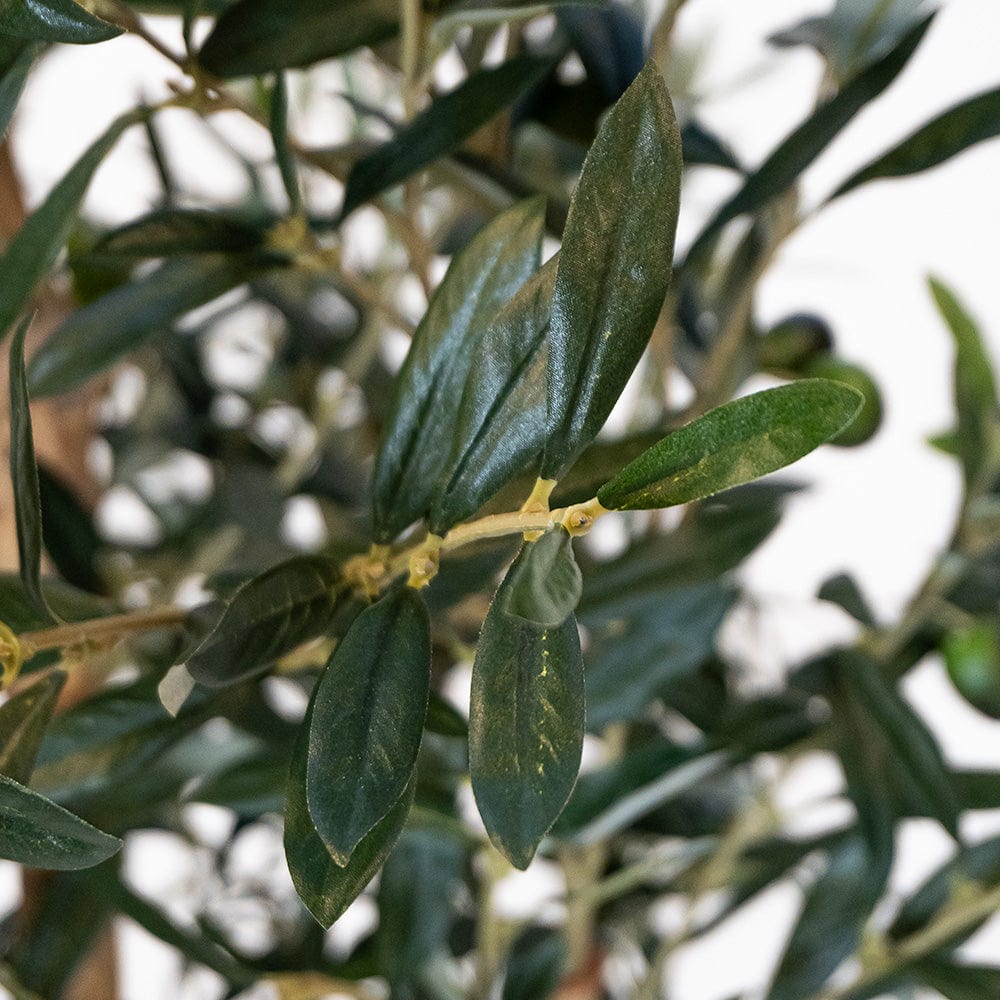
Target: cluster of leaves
{"type": "Point", "coordinates": [510, 375]}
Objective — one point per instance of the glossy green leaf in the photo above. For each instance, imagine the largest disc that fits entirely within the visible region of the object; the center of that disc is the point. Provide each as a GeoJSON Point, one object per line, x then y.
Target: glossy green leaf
{"type": "Point", "coordinates": [442, 127]}
{"type": "Point", "coordinates": [614, 266]}
{"type": "Point", "coordinates": [24, 478]}
{"type": "Point", "coordinates": [801, 148]}
{"type": "Point", "coordinates": [367, 720]}
{"type": "Point", "coordinates": [830, 925]}
{"type": "Point", "coordinates": [415, 898]}
{"type": "Point", "coordinates": [975, 386]}
{"type": "Point", "coordinates": [282, 151]}
{"type": "Point", "coordinates": [168, 232]}
{"type": "Point", "coordinates": [53, 21]}
{"type": "Point", "coordinates": [262, 36]}
{"type": "Point", "coordinates": [525, 726]}
{"type": "Point", "coordinates": [733, 444]}
{"type": "Point", "coordinates": [35, 831]}
{"type": "Point", "coordinates": [500, 426]}
{"type": "Point", "coordinates": [35, 246]}
{"type": "Point", "coordinates": [958, 982]}
{"type": "Point", "coordinates": [545, 584]}
{"type": "Point", "coordinates": [944, 136]}
{"type": "Point", "coordinates": [417, 444]}
{"type": "Point", "coordinates": [23, 719]}
{"type": "Point", "coordinates": [893, 733]}
{"type": "Point", "coordinates": [95, 337]}
{"type": "Point", "coordinates": [324, 886]}
{"type": "Point", "coordinates": [16, 59]}
{"type": "Point", "coordinates": [269, 616]}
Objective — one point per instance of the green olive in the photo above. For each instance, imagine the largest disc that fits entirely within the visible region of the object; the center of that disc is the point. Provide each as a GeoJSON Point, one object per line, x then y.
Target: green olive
{"type": "Point", "coordinates": [972, 656]}
{"type": "Point", "coordinates": [866, 423]}
{"type": "Point", "coordinates": [789, 346]}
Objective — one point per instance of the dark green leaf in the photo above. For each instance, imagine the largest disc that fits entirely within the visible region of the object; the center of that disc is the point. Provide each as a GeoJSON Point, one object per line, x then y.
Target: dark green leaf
{"type": "Point", "coordinates": [24, 479]}
{"type": "Point", "coordinates": [168, 232]}
{"type": "Point", "coordinates": [798, 151]}
{"type": "Point", "coordinates": [614, 267]}
{"type": "Point", "coordinates": [829, 927]}
{"type": "Point", "coordinates": [525, 726]}
{"type": "Point", "coordinates": [367, 720]}
{"type": "Point", "coordinates": [544, 585]}
{"type": "Point", "coordinates": [959, 982]}
{"type": "Point", "coordinates": [975, 387]}
{"type": "Point", "coordinates": [324, 886]}
{"type": "Point", "coordinates": [415, 897]}
{"type": "Point", "coordinates": [95, 337]}
{"type": "Point", "coordinates": [53, 21]}
{"type": "Point", "coordinates": [263, 36]}
{"type": "Point", "coordinates": [950, 133]}
{"type": "Point", "coordinates": [35, 831]}
{"type": "Point", "coordinates": [36, 244]}
{"type": "Point", "coordinates": [733, 444]}
{"type": "Point", "coordinates": [282, 150]}
{"type": "Point", "coordinates": [68, 532]}
{"type": "Point", "coordinates": [843, 591]}
{"type": "Point", "coordinates": [23, 720]}
{"type": "Point", "coordinates": [251, 786]}
{"type": "Point", "coordinates": [500, 426]}
{"type": "Point", "coordinates": [67, 602]}
{"type": "Point", "coordinates": [267, 617]}
{"type": "Point", "coordinates": [16, 59]}
{"type": "Point", "coordinates": [442, 127]}
{"type": "Point", "coordinates": [918, 767]}
{"type": "Point", "coordinates": [536, 965]}
{"type": "Point", "coordinates": [444, 719]}
{"type": "Point", "coordinates": [415, 451]}
{"type": "Point", "coordinates": [702, 148]}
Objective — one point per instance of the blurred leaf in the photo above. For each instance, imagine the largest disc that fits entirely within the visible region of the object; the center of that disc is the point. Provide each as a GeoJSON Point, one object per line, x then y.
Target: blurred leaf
{"type": "Point", "coordinates": [975, 387]}
{"type": "Point", "coordinates": [798, 151]}
{"type": "Point", "coordinates": [444, 719]}
{"type": "Point", "coordinates": [500, 426]}
{"type": "Point", "coordinates": [34, 247]}
{"type": "Point", "coordinates": [536, 965]}
{"type": "Point", "coordinates": [415, 898]}
{"type": "Point", "coordinates": [16, 59]}
{"type": "Point", "coordinates": [733, 444]}
{"type": "Point", "coordinates": [68, 532]}
{"type": "Point", "coordinates": [830, 925]}
{"type": "Point", "coordinates": [544, 585]}
{"type": "Point", "coordinates": [68, 603]}
{"type": "Point", "coordinates": [417, 443]}
{"type": "Point", "coordinates": [526, 725]}
{"type": "Point", "coordinates": [282, 151]}
{"type": "Point", "coordinates": [53, 21]}
{"type": "Point", "coordinates": [35, 831]}
{"type": "Point", "coordinates": [24, 479]}
{"type": "Point", "coordinates": [167, 232]}
{"type": "Point", "coordinates": [23, 719]}
{"type": "Point", "coordinates": [843, 591]}
{"type": "Point", "coordinates": [702, 148]}
{"type": "Point", "coordinates": [95, 337]}
{"type": "Point", "coordinates": [251, 786]}
{"type": "Point", "coordinates": [861, 30]}
{"type": "Point", "coordinates": [959, 982]}
{"type": "Point", "coordinates": [268, 616]}
{"type": "Point", "coordinates": [614, 266]}
{"type": "Point", "coordinates": [866, 423]}
{"type": "Point", "coordinates": [324, 886]}
{"type": "Point", "coordinates": [368, 716]}
{"type": "Point", "coordinates": [972, 656]}
{"type": "Point", "coordinates": [944, 136]}
{"type": "Point", "coordinates": [441, 128]}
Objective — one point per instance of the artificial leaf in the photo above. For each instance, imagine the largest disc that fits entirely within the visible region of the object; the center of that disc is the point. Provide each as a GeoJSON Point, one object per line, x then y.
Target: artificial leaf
{"type": "Point", "coordinates": [801, 148]}
{"type": "Point", "coordinates": [16, 59]}
{"type": "Point", "coordinates": [944, 136]}
{"type": "Point", "coordinates": [24, 479]}
{"type": "Point", "coordinates": [168, 232]}
{"type": "Point", "coordinates": [368, 716]}
{"type": "Point", "coordinates": [500, 426]}
{"type": "Point", "coordinates": [975, 387]}
{"type": "Point", "coordinates": [53, 21]}
{"type": "Point", "coordinates": [415, 897]}
{"type": "Point", "coordinates": [268, 616]}
{"type": "Point", "coordinates": [525, 726]}
{"type": "Point", "coordinates": [252, 37]}
{"type": "Point", "coordinates": [23, 719]}
{"type": "Point", "coordinates": [441, 128]}
{"type": "Point", "coordinates": [417, 444]}
{"type": "Point", "coordinates": [614, 266]}
{"type": "Point", "coordinates": [35, 831]}
{"type": "Point", "coordinates": [326, 887]}
{"type": "Point", "coordinates": [95, 337]}
{"type": "Point", "coordinates": [732, 444]}
{"type": "Point", "coordinates": [545, 583]}
{"type": "Point", "coordinates": [34, 247]}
